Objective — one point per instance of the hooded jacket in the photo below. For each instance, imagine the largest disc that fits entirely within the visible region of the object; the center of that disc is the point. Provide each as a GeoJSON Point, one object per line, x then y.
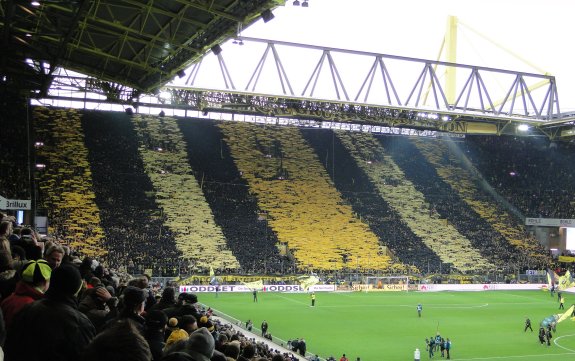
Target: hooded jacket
{"type": "Point", "coordinates": [23, 295]}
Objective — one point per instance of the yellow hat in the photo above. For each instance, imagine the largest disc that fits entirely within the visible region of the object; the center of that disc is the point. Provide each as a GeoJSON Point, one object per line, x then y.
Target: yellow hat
{"type": "Point", "coordinates": [176, 336]}
{"type": "Point", "coordinates": [36, 271]}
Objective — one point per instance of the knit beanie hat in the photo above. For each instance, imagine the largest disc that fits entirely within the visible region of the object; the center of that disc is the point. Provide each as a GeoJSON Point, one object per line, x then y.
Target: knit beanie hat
{"type": "Point", "coordinates": [133, 296]}
{"type": "Point", "coordinates": [201, 345]}
{"type": "Point", "coordinates": [64, 281]}
{"type": "Point", "coordinates": [176, 336]}
{"type": "Point", "coordinates": [205, 322]}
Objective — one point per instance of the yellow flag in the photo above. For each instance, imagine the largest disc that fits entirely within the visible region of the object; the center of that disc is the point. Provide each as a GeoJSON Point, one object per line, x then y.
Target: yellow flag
{"type": "Point", "coordinates": [255, 285]}
{"type": "Point", "coordinates": [308, 282]}
{"type": "Point", "coordinates": [565, 281]}
{"type": "Point", "coordinates": [566, 315]}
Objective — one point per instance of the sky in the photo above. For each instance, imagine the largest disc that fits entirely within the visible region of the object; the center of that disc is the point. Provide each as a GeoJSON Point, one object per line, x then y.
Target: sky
{"type": "Point", "coordinates": [539, 32]}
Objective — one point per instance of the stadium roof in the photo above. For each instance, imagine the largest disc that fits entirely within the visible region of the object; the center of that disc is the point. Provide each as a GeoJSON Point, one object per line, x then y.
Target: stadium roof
{"type": "Point", "coordinates": [140, 44]}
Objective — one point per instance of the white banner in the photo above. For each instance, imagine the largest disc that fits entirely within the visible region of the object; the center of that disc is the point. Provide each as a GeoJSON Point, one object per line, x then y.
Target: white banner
{"type": "Point", "coordinates": [322, 288]}
{"type": "Point", "coordinates": [481, 287]}
{"type": "Point", "coordinates": [266, 288]}
{"type": "Point", "coordinates": [15, 203]}
{"type": "Point", "coordinates": [550, 222]}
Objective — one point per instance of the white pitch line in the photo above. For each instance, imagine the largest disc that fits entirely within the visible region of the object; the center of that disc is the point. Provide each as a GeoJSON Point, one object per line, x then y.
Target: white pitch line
{"type": "Point", "coordinates": [451, 307]}
{"type": "Point", "coordinates": [563, 347]}
{"type": "Point", "coordinates": [292, 300]}
{"type": "Point", "coordinates": [535, 298]}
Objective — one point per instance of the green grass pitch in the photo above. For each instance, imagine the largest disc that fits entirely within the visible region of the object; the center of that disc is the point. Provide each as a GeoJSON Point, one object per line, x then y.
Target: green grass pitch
{"type": "Point", "coordinates": [385, 326]}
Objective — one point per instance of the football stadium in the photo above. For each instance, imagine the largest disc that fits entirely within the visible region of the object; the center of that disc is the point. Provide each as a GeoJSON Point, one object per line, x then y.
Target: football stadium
{"type": "Point", "coordinates": [177, 185]}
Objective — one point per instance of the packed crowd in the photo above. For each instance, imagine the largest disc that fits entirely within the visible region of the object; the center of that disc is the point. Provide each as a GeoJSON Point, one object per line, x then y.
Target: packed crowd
{"type": "Point", "coordinates": [533, 173]}
{"type": "Point", "coordinates": [305, 209]}
{"type": "Point", "coordinates": [449, 205]}
{"type": "Point", "coordinates": [196, 233]}
{"type": "Point", "coordinates": [139, 240]}
{"type": "Point", "coordinates": [134, 222]}
{"type": "Point", "coordinates": [359, 191]}
{"type": "Point", "coordinates": [246, 228]}
{"type": "Point", "coordinates": [57, 306]}
{"type": "Point", "coordinates": [151, 244]}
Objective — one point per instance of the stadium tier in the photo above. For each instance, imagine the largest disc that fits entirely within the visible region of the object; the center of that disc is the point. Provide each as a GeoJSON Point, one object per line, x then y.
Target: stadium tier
{"type": "Point", "coordinates": [178, 196]}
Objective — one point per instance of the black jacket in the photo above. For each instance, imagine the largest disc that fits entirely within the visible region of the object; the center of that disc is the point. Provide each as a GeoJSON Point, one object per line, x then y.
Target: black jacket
{"type": "Point", "coordinates": [49, 330]}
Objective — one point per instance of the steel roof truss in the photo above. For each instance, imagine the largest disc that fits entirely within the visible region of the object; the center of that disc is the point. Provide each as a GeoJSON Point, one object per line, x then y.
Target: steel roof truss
{"type": "Point", "coordinates": [225, 73]}
{"type": "Point", "coordinates": [387, 82]}
{"type": "Point", "coordinates": [433, 83]}
{"type": "Point", "coordinates": [194, 71]}
{"type": "Point", "coordinates": [336, 78]}
{"type": "Point", "coordinates": [282, 75]}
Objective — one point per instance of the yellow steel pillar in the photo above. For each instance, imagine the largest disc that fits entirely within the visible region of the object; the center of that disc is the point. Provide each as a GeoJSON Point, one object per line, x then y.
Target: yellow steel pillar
{"type": "Point", "coordinates": [450, 56]}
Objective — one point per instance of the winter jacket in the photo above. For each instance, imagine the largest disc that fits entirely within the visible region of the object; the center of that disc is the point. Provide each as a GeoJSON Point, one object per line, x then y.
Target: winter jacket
{"type": "Point", "coordinates": [23, 295]}
{"type": "Point", "coordinates": [49, 330]}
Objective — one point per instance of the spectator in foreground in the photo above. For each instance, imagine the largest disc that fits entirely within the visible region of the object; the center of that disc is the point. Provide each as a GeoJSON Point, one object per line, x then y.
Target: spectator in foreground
{"type": "Point", "coordinates": [35, 277]}
{"type": "Point", "coordinates": [121, 342]}
{"type": "Point", "coordinates": [52, 329]}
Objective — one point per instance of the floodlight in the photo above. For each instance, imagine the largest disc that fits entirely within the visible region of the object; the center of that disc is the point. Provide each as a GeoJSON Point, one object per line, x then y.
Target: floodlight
{"type": "Point", "coordinates": [216, 49]}
{"type": "Point", "coordinates": [267, 15]}
{"type": "Point", "coordinates": [523, 127]}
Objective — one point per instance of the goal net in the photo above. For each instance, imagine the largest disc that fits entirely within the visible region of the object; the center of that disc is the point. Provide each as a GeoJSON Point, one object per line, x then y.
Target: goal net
{"type": "Point", "coordinates": [387, 283]}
